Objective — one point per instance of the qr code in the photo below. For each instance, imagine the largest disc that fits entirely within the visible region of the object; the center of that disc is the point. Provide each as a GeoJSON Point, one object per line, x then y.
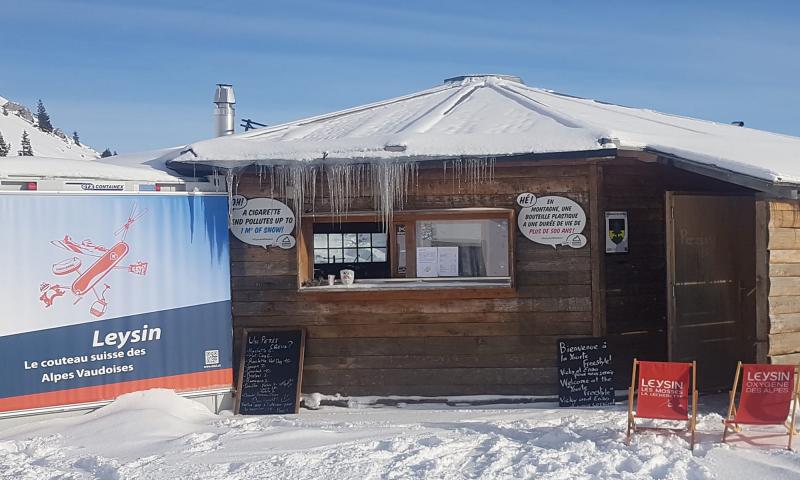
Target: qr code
{"type": "Point", "coordinates": [212, 357]}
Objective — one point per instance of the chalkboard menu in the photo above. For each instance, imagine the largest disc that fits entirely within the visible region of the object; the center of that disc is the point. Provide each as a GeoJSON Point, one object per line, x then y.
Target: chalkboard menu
{"type": "Point", "coordinates": [270, 372]}
{"type": "Point", "coordinates": [585, 375]}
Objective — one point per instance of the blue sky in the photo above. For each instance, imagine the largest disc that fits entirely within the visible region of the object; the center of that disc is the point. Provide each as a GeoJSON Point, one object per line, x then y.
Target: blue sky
{"type": "Point", "coordinates": [140, 75]}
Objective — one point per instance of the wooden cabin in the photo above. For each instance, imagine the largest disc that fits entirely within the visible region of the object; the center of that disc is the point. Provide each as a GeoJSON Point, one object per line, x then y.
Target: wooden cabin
{"type": "Point", "coordinates": [711, 271]}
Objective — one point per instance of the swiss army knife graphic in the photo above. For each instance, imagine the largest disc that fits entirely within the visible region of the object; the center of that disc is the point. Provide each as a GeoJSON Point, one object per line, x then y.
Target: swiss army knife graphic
{"type": "Point", "coordinates": [103, 261]}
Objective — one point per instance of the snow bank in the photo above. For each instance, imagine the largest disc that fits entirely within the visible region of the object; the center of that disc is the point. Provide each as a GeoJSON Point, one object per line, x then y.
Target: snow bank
{"type": "Point", "coordinates": [66, 168]}
{"type": "Point", "coordinates": [156, 434]}
{"type": "Point", "coordinates": [486, 116]}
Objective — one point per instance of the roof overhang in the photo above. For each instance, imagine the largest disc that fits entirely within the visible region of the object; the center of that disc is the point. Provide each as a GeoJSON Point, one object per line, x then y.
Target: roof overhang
{"type": "Point", "coordinates": [203, 167]}
{"type": "Point", "coordinates": [774, 189]}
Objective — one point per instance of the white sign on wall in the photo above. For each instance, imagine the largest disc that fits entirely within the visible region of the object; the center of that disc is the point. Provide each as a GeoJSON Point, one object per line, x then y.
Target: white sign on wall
{"type": "Point", "coordinates": [551, 220]}
{"type": "Point", "coordinates": [616, 232]}
{"type": "Point", "coordinates": [262, 221]}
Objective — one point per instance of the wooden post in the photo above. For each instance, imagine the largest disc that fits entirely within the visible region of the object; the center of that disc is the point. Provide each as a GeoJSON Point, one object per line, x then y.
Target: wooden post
{"type": "Point", "coordinates": [670, 257]}
{"type": "Point", "coordinates": [597, 236]}
{"type": "Point", "coordinates": [693, 421]}
{"type": "Point", "coordinates": [631, 425]}
{"type": "Point", "coordinates": [305, 251]}
{"type": "Point", "coordinates": [762, 280]}
{"type": "Point", "coordinates": [794, 409]}
{"type": "Point", "coordinates": [732, 400]}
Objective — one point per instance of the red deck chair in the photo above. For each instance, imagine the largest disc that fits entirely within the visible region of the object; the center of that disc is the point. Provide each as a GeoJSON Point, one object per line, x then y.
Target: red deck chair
{"type": "Point", "coordinates": [662, 393]}
{"type": "Point", "coordinates": [768, 392]}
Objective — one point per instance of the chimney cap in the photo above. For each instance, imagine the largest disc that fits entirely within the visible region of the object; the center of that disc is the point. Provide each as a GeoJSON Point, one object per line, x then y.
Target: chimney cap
{"type": "Point", "coordinates": [224, 93]}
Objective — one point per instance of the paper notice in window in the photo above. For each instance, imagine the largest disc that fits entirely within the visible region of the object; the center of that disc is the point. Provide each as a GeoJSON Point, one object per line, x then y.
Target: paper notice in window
{"type": "Point", "coordinates": [448, 261]}
{"type": "Point", "coordinates": [427, 262]}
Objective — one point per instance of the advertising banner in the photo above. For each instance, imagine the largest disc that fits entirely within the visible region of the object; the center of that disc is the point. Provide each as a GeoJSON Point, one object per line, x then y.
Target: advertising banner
{"type": "Point", "coordinates": [766, 394]}
{"type": "Point", "coordinates": [663, 391]}
{"type": "Point", "coordinates": [102, 295]}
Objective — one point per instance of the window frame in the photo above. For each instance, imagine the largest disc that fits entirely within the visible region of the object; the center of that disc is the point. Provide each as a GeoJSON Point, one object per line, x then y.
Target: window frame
{"type": "Point", "coordinates": [409, 218]}
{"type": "Point", "coordinates": [370, 246]}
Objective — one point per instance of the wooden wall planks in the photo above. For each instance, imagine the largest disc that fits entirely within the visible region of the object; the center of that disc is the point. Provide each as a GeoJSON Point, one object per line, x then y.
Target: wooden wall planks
{"type": "Point", "coordinates": [402, 343]}
{"type": "Point", "coordinates": [783, 259]}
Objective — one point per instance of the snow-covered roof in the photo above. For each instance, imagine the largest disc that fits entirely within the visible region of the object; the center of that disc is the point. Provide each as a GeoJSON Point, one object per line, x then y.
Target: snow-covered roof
{"type": "Point", "coordinates": [496, 115]}
{"type": "Point", "coordinates": [65, 168]}
{"type": "Point", "coordinates": [153, 161]}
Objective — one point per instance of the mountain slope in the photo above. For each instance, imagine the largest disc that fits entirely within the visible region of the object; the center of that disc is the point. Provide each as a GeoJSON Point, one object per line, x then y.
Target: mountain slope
{"type": "Point", "coordinates": [44, 144]}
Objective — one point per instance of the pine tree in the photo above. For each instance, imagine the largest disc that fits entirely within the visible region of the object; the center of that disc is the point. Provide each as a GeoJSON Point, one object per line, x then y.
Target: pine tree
{"type": "Point", "coordinates": [4, 147]}
{"type": "Point", "coordinates": [27, 149]}
{"type": "Point", "coordinates": [114, 154]}
{"type": "Point", "coordinates": [106, 153]}
{"type": "Point", "coordinates": [43, 118]}
{"type": "Point", "coordinates": [76, 138]}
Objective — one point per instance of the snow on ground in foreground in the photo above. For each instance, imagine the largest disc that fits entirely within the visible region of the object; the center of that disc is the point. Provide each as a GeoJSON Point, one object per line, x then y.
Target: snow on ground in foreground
{"type": "Point", "coordinates": [157, 434]}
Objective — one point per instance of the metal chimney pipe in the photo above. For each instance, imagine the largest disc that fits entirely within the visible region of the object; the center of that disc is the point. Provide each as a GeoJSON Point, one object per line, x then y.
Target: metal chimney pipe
{"type": "Point", "coordinates": [223, 111]}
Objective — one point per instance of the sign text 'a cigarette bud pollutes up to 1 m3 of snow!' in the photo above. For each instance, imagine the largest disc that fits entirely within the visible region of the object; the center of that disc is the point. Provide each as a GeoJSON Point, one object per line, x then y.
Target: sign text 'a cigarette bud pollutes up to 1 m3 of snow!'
{"type": "Point", "coordinates": [262, 221]}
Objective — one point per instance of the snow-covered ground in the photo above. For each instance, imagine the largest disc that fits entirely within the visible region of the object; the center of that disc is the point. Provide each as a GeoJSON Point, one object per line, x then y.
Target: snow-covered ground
{"type": "Point", "coordinates": [157, 434]}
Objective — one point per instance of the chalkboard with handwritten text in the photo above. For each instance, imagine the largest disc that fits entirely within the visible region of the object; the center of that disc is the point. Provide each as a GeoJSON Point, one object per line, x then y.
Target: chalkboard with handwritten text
{"type": "Point", "coordinates": [585, 375]}
{"type": "Point", "coordinates": [270, 372]}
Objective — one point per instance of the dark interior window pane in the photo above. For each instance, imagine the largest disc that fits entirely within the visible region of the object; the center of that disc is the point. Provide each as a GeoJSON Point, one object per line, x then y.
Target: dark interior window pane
{"type": "Point", "coordinates": [349, 246]}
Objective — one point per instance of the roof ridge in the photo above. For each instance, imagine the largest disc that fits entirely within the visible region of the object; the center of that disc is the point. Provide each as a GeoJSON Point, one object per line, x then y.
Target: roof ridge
{"type": "Point", "coordinates": [602, 103]}
{"type": "Point", "coordinates": [425, 119]}
{"type": "Point", "coordinates": [539, 107]}
{"type": "Point", "coordinates": [340, 113]}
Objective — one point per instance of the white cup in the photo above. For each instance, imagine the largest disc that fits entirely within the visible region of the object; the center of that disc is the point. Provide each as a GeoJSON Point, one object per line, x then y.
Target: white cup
{"type": "Point", "coordinates": [331, 279]}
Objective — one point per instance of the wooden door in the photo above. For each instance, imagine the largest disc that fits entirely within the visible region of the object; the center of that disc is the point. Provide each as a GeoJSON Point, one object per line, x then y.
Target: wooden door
{"type": "Point", "coordinates": [711, 283]}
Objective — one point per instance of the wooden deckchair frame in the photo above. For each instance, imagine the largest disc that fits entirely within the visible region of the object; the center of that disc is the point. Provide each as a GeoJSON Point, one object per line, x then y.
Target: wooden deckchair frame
{"type": "Point", "coordinates": [730, 420]}
{"type": "Point", "coordinates": [692, 419]}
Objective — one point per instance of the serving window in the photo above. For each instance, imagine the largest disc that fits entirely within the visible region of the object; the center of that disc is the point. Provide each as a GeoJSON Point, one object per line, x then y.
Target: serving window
{"type": "Point", "coordinates": [462, 248]}
{"type": "Point", "coordinates": [446, 248]}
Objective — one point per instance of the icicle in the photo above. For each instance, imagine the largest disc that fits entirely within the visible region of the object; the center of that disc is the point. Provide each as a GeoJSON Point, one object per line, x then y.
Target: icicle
{"type": "Point", "coordinates": [388, 183]}
{"type": "Point", "coordinates": [229, 179]}
{"type": "Point", "coordinates": [215, 173]}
